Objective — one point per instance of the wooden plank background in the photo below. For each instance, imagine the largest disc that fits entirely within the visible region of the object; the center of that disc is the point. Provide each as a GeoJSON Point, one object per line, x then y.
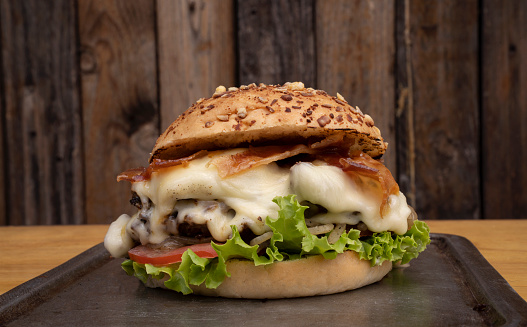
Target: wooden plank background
{"type": "Point", "coordinates": [86, 87]}
{"type": "Point", "coordinates": [43, 176]}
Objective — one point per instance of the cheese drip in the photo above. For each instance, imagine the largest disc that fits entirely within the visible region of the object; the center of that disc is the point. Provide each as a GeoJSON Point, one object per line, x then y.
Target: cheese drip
{"type": "Point", "coordinates": [249, 194]}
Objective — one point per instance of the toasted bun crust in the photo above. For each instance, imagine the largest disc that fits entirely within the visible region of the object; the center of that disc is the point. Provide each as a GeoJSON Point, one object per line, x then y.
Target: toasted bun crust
{"type": "Point", "coordinates": [296, 278]}
{"type": "Point", "coordinates": [265, 114]}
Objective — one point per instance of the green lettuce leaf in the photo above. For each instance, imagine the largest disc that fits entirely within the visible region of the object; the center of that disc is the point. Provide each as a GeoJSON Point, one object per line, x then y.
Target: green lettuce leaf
{"type": "Point", "coordinates": [291, 239]}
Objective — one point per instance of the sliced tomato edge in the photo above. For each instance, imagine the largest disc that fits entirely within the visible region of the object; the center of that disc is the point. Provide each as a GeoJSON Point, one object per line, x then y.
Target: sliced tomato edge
{"type": "Point", "coordinates": [173, 258]}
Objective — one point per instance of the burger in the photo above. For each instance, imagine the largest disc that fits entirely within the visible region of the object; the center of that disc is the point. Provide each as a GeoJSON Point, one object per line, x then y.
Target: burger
{"type": "Point", "coordinates": [266, 191]}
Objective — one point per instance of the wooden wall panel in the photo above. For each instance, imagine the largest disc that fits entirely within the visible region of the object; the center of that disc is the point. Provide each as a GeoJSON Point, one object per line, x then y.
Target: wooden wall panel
{"type": "Point", "coordinates": [504, 109]}
{"type": "Point", "coordinates": [355, 56]}
{"type": "Point", "coordinates": [3, 175]}
{"type": "Point", "coordinates": [3, 151]}
{"type": "Point", "coordinates": [119, 98]}
{"type": "Point", "coordinates": [86, 87]}
{"type": "Point", "coordinates": [441, 72]}
{"type": "Point", "coordinates": [196, 52]}
{"type": "Point", "coordinates": [43, 141]}
{"type": "Point", "coordinates": [276, 42]}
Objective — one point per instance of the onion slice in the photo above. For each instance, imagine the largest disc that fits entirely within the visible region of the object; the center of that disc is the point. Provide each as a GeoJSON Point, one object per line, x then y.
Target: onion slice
{"type": "Point", "coordinates": [321, 229]}
{"type": "Point", "coordinates": [260, 239]}
{"type": "Point", "coordinates": [336, 232]}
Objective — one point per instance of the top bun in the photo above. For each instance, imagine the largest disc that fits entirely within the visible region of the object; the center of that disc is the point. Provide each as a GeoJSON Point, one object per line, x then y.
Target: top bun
{"type": "Point", "coordinates": [264, 115]}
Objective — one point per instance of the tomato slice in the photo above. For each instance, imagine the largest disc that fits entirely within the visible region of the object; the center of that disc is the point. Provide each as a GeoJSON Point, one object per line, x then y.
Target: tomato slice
{"type": "Point", "coordinates": [144, 254]}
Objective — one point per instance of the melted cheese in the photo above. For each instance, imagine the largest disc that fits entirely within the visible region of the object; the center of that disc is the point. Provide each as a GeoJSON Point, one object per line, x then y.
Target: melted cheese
{"type": "Point", "coordinates": [116, 241]}
{"type": "Point", "coordinates": [248, 197]}
{"type": "Point", "coordinates": [249, 194]}
{"type": "Point", "coordinates": [330, 187]}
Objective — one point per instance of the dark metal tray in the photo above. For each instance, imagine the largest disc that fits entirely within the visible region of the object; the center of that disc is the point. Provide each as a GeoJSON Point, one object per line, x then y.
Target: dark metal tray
{"type": "Point", "coordinates": [449, 284]}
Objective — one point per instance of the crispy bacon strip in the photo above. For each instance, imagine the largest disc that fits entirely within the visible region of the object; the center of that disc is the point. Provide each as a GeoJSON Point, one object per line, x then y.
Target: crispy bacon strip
{"type": "Point", "coordinates": [229, 165]}
{"type": "Point", "coordinates": [358, 166]}
{"type": "Point", "coordinates": [363, 165]}
{"type": "Point", "coordinates": [142, 174]}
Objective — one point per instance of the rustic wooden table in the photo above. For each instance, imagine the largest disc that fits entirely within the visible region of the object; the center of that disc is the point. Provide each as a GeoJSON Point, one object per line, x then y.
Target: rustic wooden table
{"type": "Point", "coordinates": [30, 251]}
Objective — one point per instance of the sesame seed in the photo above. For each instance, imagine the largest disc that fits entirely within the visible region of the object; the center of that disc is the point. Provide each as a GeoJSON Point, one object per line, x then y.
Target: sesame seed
{"type": "Point", "coordinates": [220, 89]}
{"type": "Point", "coordinates": [271, 110]}
{"type": "Point", "coordinates": [309, 112]}
{"type": "Point", "coordinates": [223, 117]}
{"type": "Point", "coordinates": [274, 101]}
{"type": "Point", "coordinates": [209, 124]}
{"type": "Point", "coordinates": [232, 89]}
{"type": "Point", "coordinates": [242, 112]}
{"type": "Point", "coordinates": [296, 86]}
{"type": "Point", "coordinates": [339, 109]}
{"type": "Point", "coordinates": [325, 105]}
{"type": "Point", "coordinates": [306, 94]}
{"type": "Point", "coordinates": [340, 102]}
{"type": "Point", "coordinates": [323, 121]}
{"type": "Point", "coordinates": [296, 107]}
{"type": "Point", "coordinates": [286, 97]}
{"type": "Point", "coordinates": [262, 99]}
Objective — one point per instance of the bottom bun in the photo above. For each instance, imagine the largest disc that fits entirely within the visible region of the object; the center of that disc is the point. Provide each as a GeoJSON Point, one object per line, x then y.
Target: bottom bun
{"type": "Point", "coordinates": [309, 276]}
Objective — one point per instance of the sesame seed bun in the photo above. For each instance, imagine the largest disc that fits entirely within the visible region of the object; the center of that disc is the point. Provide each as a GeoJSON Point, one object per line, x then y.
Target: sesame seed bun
{"type": "Point", "coordinates": [308, 276]}
{"type": "Point", "coordinates": [265, 114]}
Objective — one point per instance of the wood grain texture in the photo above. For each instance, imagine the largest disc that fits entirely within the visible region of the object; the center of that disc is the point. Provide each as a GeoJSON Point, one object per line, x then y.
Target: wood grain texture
{"type": "Point", "coordinates": [504, 109]}
{"type": "Point", "coordinates": [3, 152]}
{"type": "Point", "coordinates": [196, 52]}
{"type": "Point", "coordinates": [119, 98]}
{"type": "Point", "coordinates": [276, 42]}
{"type": "Point", "coordinates": [87, 86]}
{"type": "Point", "coordinates": [440, 71]}
{"type": "Point", "coordinates": [43, 140]}
{"type": "Point", "coordinates": [355, 50]}
{"type": "Point", "coordinates": [27, 245]}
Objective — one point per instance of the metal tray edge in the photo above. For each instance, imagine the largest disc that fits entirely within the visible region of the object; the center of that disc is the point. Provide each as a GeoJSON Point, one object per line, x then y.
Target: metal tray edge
{"type": "Point", "coordinates": [30, 294]}
{"type": "Point", "coordinates": [493, 286]}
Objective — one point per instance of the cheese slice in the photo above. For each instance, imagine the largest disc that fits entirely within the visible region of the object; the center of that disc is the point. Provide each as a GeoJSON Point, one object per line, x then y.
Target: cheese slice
{"type": "Point", "coordinates": [195, 193]}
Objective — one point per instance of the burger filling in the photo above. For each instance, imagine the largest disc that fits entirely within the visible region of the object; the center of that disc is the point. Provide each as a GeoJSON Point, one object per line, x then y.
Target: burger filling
{"type": "Point", "coordinates": [238, 194]}
{"type": "Point", "coordinates": [193, 200]}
